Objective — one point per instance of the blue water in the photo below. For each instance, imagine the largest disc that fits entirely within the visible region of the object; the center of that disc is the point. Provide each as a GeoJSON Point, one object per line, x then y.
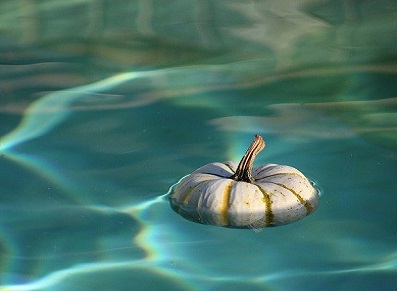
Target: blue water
{"type": "Point", "coordinates": [104, 105]}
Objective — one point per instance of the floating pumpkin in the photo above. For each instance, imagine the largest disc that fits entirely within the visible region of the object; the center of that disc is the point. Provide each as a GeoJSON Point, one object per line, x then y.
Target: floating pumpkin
{"type": "Point", "coordinates": [236, 196]}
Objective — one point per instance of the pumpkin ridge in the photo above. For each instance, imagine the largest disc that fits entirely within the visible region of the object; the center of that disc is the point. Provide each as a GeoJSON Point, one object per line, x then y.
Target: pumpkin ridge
{"type": "Point", "coordinates": [216, 175]}
{"type": "Point", "coordinates": [186, 196]}
{"type": "Point", "coordinates": [269, 216]}
{"type": "Point", "coordinates": [261, 171]}
{"type": "Point", "coordinates": [305, 203]}
{"type": "Point", "coordinates": [277, 174]}
{"type": "Point", "coordinates": [230, 167]}
{"type": "Point", "coordinates": [226, 202]}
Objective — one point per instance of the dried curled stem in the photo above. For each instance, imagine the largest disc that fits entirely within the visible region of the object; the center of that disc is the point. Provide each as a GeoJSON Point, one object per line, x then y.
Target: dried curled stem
{"type": "Point", "coordinates": [244, 169]}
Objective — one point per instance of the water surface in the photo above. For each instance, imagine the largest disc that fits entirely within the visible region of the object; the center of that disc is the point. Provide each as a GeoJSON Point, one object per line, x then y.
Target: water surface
{"type": "Point", "coordinates": [106, 104]}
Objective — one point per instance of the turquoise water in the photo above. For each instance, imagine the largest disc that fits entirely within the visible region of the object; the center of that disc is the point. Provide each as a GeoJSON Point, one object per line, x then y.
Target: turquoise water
{"type": "Point", "coordinates": [106, 104]}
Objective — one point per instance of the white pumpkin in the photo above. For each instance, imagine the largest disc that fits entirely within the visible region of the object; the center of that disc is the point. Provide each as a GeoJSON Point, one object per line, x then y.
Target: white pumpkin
{"type": "Point", "coordinates": [235, 195]}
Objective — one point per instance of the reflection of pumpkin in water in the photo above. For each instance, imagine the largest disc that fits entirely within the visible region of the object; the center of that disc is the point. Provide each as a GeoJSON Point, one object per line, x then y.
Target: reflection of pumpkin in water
{"type": "Point", "coordinates": [237, 196]}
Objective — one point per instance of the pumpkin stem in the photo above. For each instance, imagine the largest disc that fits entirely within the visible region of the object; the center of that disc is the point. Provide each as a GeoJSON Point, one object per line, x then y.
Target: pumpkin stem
{"type": "Point", "coordinates": [244, 169]}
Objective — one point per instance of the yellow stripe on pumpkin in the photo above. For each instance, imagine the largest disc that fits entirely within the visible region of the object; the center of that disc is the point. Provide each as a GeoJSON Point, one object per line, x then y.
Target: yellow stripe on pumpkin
{"type": "Point", "coordinates": [306, 204]}
{"type": "Point", "coordinates": [269, 216]}
{"type": "Point", "coordinates": [226, 202]}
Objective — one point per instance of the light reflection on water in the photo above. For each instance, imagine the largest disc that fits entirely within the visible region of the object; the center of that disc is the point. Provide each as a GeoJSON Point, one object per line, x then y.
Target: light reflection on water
{"type": "Point", "coordinates": [88, 157]}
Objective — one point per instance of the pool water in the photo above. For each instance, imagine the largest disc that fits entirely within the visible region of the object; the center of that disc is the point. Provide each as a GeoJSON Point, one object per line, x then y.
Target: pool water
{"type": "Point", "coordinates": [106, 104]}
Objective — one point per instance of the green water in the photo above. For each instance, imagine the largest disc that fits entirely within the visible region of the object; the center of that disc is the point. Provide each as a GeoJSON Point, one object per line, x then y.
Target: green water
{"type": "Point", "coordinates": [104, 105]}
